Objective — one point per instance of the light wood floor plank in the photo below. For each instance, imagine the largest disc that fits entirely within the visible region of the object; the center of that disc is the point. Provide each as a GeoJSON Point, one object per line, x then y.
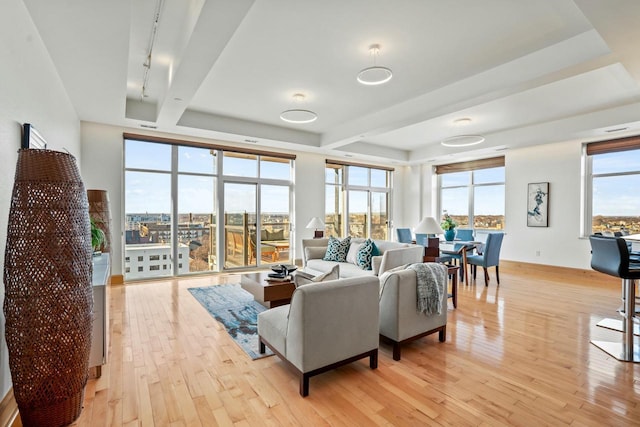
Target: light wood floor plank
{"type": "Point", "coordinates": [516, 354]}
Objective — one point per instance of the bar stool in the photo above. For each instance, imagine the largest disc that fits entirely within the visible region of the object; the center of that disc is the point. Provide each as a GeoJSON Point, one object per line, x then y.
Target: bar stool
{"type": "Point", "coordinates": [610, 255]}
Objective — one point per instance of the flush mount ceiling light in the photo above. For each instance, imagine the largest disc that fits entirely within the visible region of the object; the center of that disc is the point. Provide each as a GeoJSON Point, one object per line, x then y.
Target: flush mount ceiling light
{"type": "Point", "coordinates": [297, 115]}
{"type": "Point", "coordinates": [375, 75]}
{"type": "Point", "coordinates": [462, 140]}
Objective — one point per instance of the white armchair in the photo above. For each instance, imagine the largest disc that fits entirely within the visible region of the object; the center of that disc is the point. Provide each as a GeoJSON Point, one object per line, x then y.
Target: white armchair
{"type": "Point", "coordinates": [327, 324]}
{"type": "Point", "coordinates": [400, 321]}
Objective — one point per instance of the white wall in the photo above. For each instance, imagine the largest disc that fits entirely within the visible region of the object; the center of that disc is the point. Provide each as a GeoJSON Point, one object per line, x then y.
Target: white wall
{"type": "Point", "coordinates": [30, 91]}
{"type": "Point", "coordinates": [560, 243]}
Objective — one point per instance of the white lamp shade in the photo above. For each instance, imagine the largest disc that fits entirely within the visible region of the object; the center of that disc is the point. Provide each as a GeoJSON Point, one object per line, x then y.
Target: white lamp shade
{"type": "Point", "coordinates": [315, 223]}
{"type": "Point", "coordinates": [428, 225]}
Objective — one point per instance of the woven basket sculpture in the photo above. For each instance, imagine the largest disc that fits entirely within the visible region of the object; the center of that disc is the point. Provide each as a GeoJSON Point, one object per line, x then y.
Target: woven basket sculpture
{"type": "Point", "coordinates": [48, 295]}
{"type": "Point", "coordinates": [99, 211]}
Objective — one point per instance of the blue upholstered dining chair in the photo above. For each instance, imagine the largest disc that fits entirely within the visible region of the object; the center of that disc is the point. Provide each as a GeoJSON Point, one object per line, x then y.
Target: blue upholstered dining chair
{"type": "Point", "coordinates": [421, 239]}
{"type": "Point", "coordinates": [490, 257]}
{"type": "Point", "coordinates": [404, 235]}
{"type": "Point", "coordinates": [464, 234]}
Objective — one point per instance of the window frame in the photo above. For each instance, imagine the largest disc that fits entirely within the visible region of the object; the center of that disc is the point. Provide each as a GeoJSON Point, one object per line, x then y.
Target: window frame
{"type": "Point", "coordinates": [470, 167]}
{"type": "Point", "coordinates": [589, 150]}
{"type": "Point", "coordinates": [345, 187]}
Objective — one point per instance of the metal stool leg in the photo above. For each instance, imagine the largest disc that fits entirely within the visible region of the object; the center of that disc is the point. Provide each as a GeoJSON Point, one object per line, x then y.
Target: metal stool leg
{"type": "Point", "coordinates": [624, 351]}
{"type": "Point", "coordinates": [617, 324]}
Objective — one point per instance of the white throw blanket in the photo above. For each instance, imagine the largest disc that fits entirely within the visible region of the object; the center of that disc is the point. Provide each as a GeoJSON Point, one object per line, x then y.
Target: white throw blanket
{"type": "Point", "coordinates": [431, 279]}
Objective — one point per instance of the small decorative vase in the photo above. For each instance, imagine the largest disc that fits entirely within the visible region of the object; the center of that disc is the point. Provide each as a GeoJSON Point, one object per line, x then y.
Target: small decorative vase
{"type": "Point", "coordinates": [449, 234]}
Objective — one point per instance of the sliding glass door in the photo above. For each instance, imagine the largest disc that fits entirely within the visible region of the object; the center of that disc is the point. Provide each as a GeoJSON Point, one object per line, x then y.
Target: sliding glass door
{"type": "Point", "coordinates": [239, 224]}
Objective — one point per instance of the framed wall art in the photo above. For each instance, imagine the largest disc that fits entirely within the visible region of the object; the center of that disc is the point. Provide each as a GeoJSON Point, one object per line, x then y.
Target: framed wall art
{"type": "Point", "coordinates": [538, 204]}
{"type": "Point", "coordinates": [31, 138]}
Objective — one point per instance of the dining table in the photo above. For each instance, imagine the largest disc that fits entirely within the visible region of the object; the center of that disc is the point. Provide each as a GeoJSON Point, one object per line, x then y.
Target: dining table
{"type": "Point", "coordinates": [462, 248]}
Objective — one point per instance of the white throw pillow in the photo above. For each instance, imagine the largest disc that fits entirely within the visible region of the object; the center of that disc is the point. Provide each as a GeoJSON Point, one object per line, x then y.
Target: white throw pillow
{"type": "Point", "coordinates": [332, 274]}
{"type": "Point", "coordinates": [303, 279]}
{"type": "Point", "coordinates": [352, 255]}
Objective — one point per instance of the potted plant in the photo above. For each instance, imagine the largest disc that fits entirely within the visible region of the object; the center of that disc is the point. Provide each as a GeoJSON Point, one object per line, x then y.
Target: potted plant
{"type": "Point", "coordinates": [97, 236]}
{"type": "Point", "coordinates": [448, 224]}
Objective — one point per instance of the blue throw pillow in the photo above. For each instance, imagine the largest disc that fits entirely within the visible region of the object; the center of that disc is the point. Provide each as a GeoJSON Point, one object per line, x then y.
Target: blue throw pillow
{"type": "Point", "coordinates": [367, 251]}
{"type": "Point", "coordinates": [337, 249]}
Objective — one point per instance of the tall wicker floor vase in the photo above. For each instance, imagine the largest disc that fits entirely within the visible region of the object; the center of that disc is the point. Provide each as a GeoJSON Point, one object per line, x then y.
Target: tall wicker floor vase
{"type": "Point", "coordinates": [48, 295]}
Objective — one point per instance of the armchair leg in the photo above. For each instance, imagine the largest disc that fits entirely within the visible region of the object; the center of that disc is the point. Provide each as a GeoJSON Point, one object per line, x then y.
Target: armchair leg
{"type": "Point", "coordinates": [304, 385]}
{"type": "Point", "coordinates": [442, 334]}
{"type": "Point", "coordinates": [373, 359]}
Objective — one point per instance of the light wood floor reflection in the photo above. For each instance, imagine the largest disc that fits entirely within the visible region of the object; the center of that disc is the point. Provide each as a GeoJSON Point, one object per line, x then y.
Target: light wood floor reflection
{"type": "Point", "coordinates": [517, 354]}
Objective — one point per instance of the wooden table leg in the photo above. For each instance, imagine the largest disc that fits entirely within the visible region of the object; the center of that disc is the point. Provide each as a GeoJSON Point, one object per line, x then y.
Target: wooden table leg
{"type": "Point", "coordinates": [464, 266]}
{"type": "Point", "coordinates": [454, 289]}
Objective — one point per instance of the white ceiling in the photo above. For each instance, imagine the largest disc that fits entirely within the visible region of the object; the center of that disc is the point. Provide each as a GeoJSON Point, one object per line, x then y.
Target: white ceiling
{"type": "Point", "coordinates": [526, 72]}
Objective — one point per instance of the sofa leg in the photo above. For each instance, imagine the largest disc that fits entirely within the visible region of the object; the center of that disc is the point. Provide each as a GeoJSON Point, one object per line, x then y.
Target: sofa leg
{"type": "Point", "coordinates": [442, 334]}
{"type": "Point", "coordinates": [396, 351]}
{"type": "Point", "coordinates": [373, 359]}
{"type": "Point", "coordinates": [262, 348]}
{"type": "Point", "coordinates": [304, 385]}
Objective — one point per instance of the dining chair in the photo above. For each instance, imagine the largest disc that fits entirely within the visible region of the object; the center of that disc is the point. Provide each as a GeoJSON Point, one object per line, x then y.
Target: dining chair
{"type": "Point", "coordinates": [421, 239]}
{"type": "Point", "coordinates": [464, 234]}
{"type": "Point", "coordinates": [490, 257]}
{"type": "Point", "coordinates": [404, 235]}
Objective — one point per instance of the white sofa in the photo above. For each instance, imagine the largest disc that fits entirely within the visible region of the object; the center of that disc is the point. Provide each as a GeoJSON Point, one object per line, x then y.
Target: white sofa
{"type": "Point", "coordinates": [392, 254]}
{"type": "Point", "coordinates": [400, 322]}
{"type": "Point", "coordinates": [327, 325]}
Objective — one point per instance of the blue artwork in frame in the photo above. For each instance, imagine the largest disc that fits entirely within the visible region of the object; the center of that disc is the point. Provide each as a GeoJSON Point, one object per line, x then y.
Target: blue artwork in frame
{"type": "Point", "coordinates": [538, 204]}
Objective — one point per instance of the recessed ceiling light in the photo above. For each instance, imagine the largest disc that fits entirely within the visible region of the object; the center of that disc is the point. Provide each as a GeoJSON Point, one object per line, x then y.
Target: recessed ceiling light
{"type": "Point", "coordinates": [462, 140]}
{"type": "Point", "coordinates": [298, 115]}
{"type": "Point", "coordinates": [376, 75]}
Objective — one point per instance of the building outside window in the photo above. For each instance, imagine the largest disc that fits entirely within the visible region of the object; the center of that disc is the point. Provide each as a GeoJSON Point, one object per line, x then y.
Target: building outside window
{"type": "Point", "coordinates": [473, 193]}
{"type": "Point", "coordinates": [612, 179]}
{"type": "Point", "coordinates": [357, 200]}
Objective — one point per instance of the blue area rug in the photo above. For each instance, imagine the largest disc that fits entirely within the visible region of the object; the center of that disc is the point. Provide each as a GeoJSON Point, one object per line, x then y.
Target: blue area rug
{"type": "Point", "coordinates": [238, 312]}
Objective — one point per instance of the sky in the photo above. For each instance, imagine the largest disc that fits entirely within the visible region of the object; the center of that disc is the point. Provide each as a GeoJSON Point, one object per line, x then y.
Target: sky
{"type": "Point", "coordinates": [151, 191]}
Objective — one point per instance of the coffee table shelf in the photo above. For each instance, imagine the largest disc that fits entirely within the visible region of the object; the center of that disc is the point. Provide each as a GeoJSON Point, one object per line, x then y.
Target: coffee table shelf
{"type": "Point", "coordinates": [269, 294]}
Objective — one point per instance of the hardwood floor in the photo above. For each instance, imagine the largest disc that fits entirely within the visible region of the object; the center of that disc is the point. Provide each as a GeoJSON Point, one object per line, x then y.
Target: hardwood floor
{"type": "Point", "coordinates": [517, 354]}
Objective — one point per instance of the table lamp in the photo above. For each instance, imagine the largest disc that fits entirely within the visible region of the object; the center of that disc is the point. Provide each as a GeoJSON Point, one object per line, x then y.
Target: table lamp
{"type": "Point", "coordinates": [317, 223]}
{"type": "Point", "coordinates": [430, 226]}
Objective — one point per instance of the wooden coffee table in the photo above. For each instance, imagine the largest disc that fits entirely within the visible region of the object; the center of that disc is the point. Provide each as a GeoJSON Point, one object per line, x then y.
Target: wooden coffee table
{"type": "Point", "coordinates": [269, 294]}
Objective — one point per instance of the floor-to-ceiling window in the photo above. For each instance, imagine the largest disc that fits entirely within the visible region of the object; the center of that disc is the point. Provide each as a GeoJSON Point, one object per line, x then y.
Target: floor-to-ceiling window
{"type": "Point", "coordinates": [172, 208]}
{"type": "Point", "coordinates": [612, 179]}
{"type": "Point", "coordinates": [357, 200]}
{"type": "Point", "coordinates": [472, 193]}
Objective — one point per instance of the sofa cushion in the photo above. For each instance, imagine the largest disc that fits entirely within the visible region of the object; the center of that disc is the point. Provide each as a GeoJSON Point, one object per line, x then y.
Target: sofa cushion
{"type": "Point", "coordinates": [275, 235]}
{"type": "Point", "coordinates": [337, 249]}
{"type": "Point", "coordinates": [311, 252]}
{"type": "Point", "coordinates": [350, 270]}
